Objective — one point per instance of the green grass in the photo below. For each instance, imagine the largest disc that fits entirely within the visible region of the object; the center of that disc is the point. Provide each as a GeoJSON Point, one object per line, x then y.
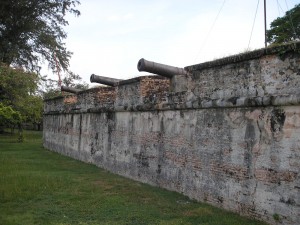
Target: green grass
{"type": "Point", "coordinates": [41, 187]}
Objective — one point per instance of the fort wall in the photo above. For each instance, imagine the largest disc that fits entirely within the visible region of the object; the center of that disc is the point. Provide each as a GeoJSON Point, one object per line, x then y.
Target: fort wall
{"type": "Point", "coordinates": [228, 133]}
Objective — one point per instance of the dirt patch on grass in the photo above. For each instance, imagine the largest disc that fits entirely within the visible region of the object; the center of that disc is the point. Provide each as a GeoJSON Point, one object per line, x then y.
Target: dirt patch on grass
{"type": "Point", "coordinates": [103, 185]}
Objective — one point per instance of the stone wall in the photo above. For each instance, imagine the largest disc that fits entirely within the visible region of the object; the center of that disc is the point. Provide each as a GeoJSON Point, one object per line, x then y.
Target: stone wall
{"type": "Point", "coordinates": [227, 134]}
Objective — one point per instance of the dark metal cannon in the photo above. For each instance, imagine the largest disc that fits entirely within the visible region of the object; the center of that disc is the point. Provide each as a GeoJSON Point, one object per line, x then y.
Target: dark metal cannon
{"type": "Point", "coordinates": [70, 89]}
{"type": "Point", "coordinates": [160, 69]}
{"type": "Point", "coordinates": [104, 80]}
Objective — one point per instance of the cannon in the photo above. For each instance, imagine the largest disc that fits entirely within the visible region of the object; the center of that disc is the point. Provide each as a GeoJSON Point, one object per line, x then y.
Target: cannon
{"type": "Point", "coordinates": [69, 89]}
{"type": "Point", "coordinates": [159, 69]}
{"type": "Point", "coordinates": [104, 80]}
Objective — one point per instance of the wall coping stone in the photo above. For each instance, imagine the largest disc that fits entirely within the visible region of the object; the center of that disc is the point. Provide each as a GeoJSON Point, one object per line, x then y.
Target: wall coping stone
{"type": "Point", "coordinates": [140, 78]}
{"type": "Point", "coordinates": [205, 103]}
{"type": "Point", "coordinates": [278, 49]}
{"type": "Point", "coordinates": [96, 89]}
{"type": "Point", "coordinates": [55, 98]}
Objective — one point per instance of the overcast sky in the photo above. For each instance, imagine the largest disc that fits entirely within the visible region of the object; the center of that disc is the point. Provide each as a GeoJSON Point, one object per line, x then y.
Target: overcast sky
{"type": "Point", "coordinates": [111, 36]}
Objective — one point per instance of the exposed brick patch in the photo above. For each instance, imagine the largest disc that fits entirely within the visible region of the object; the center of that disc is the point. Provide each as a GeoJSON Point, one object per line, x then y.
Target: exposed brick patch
{"type": "Point", "coordinates": [235, 171]}
{"type": "Point", "coordinates": [107, 94]}
{"type": "Point", "coordinates": [184, 160]}
{"type": "Point", "coordinates": [272, 176]}
{"type": "Point", "coordinates": [70, 99]}
{"type": "Point", "coordinates": [152, 85]}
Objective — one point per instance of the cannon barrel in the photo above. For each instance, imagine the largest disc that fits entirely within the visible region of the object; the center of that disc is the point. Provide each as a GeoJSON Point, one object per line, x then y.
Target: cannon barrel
{"type": "Point", "coordinates": [69, 89]}
{"type": "Point", "coordinates": [160, 69]}
{"type": "Point", "coordinates": [104, 80]}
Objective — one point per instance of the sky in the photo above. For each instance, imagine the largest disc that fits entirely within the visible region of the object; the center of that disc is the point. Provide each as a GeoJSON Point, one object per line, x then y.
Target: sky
{"type": "Point", "coordinates": [109, 37]}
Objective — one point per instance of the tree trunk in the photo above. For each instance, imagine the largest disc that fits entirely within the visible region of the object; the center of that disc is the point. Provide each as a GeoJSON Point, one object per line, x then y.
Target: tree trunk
{"type": "Point", "coordinates": [20, 133]}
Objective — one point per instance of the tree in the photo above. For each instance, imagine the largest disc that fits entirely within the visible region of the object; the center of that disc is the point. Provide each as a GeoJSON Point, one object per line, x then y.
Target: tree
{"type": "Point", "coordinates": [16, 85]}
{"type": "Point", "coordinates": [286, 28]}
{"type": "Point", "coordinates": [8, 117]}
{"type": "Point", "coordinates": [21, 94]}
{"type": "Point", "coordinates": [32, 110]}
{"type": "Point", "coordinates": [31, 31]}
{"type": "Point", "coordinates": [70, 80]}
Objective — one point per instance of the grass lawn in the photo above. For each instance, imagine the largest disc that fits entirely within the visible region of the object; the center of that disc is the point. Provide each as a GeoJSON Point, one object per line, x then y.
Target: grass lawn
{"type": "Point", "coordinates": [41, 187]}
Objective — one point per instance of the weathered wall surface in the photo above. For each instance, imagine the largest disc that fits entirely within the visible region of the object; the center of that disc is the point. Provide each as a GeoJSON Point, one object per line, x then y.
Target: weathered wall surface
{"type": "Point", "coordinates": [228, 134]}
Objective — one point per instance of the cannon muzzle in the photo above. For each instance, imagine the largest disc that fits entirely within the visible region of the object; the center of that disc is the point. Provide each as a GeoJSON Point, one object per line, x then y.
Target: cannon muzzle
{"type": "Point", "coordinates": [160, 69]}
{"type": "Point", "coordinates": [70, 89]}
{"type": "Point", "coordinates": [104, 80]}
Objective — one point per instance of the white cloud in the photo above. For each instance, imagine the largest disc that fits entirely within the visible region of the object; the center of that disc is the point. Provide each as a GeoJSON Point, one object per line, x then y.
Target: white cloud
{"type": "Point", "coordinates": [120, 18]}
{"type": "Point", "coordinates": [128, 16]}
{"type": "Point", "coordinates": [113, 18]}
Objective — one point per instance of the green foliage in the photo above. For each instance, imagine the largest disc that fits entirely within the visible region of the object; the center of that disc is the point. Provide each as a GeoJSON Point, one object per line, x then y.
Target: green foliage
{"type": "Point", "coordinates": [70, 80]}
{"type": "Point", "coordinates": [285, 29]}
{"type": "Point", "coordinates": [49, 88]}
{"type": "Point", "coordinates": [32, 31]}
{"type": "Point", "coordinates": [276, 217]}
{"type": "Point", "coordinates": [18, 90]}
{"type": "Point", "coordinates": [32, 108]}
{"type": "Point", "coordinates": [43, 187]}
{"type": "Point", "coordinates": [8, 116]}
{"type": "Point", "coordinates": [15, 84]}
{"type": "Point", "coordinates": [73, 80]}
